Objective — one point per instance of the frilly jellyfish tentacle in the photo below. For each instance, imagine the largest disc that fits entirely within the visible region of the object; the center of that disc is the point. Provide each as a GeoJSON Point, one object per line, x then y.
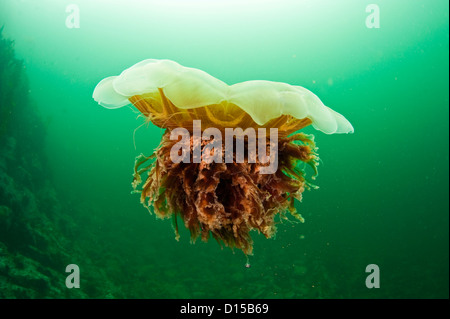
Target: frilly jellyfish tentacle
{"type": "Point", "coordinates": [226, 200]}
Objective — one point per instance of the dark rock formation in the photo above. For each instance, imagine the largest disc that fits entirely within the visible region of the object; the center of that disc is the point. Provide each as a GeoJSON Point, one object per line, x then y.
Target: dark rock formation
{"type": "Point", "coordinates": [36, 234]}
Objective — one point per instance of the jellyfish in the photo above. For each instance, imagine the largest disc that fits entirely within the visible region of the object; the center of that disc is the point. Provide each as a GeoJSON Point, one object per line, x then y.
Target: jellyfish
{"type": "Point", "coordinates": [234, 194]}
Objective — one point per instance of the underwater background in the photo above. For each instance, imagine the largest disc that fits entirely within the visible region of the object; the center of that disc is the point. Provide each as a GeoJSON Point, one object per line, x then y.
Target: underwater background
{"type": "Point", "coordinates": [66, 163]}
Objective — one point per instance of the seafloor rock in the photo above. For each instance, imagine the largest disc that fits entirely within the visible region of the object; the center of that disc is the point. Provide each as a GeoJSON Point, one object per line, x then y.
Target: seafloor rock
{"type": "Point", "coordinates": [35, 229]}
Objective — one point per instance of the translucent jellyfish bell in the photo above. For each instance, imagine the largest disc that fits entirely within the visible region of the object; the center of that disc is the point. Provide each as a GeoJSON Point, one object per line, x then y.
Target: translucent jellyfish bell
{"type": "Point", "coordinates": [160, 88]}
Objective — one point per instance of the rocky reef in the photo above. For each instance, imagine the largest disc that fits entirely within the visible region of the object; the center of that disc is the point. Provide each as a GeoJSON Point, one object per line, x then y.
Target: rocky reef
{"type": "Point", "coordinates": [37, 235]}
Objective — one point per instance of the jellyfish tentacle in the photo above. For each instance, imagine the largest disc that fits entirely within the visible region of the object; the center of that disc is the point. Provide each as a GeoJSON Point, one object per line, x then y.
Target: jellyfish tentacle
{"type": "Point", "coordinates": [225, 200]}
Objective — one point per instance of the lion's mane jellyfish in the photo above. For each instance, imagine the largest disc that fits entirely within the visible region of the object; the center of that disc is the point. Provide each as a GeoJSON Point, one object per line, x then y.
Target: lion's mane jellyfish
{"type": "Point", "coordinates": [226, 197]}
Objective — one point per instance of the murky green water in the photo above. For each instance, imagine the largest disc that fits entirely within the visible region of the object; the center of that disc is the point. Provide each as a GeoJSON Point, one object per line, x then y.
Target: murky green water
{"type": "Point", "coordinates": [383, 196]}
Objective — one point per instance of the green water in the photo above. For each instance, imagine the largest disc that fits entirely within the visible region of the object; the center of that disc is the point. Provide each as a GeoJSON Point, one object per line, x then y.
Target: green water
{"type": "Point", "coordinates": [383, 196]}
